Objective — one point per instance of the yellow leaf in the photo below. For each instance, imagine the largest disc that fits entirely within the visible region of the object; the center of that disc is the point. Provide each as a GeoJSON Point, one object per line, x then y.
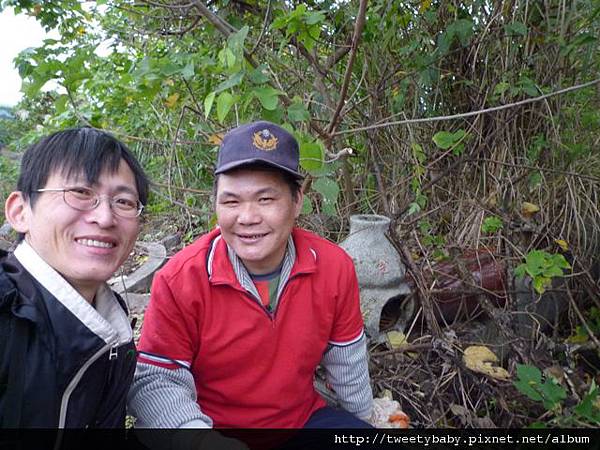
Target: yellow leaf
{"type": "Point", "coordinates": [397, 339]}
{"type": "Point", "coordinates": [216, 139]}
{"type": "Point", "coordinates": [169, 82]}
{"type": "Point", "coordinates": [480, 359]}
{"type": "Point", "coordinates": [529, 209]}
{"type": "Point", "coordinates": [562, 244]}
{"type": "Point", "coordinates": [424, 6]}
{"type": "Point", "coordinates": [171, 100]}
{"type": "Point", "coordinates": [387, 394]}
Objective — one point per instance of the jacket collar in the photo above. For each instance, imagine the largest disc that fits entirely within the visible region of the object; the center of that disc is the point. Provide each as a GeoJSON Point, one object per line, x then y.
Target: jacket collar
{"type": "Point", "coordinates": [224, 266]}
{"type": "Point", "coordinates": [107, 320]}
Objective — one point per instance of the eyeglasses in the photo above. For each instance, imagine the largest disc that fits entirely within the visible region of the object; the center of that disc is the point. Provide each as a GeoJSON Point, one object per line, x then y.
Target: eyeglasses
{"type": "Point", "coordinates": [84, 199]}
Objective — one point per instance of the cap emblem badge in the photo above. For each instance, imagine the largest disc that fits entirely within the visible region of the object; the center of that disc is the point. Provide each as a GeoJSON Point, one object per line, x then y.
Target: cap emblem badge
{"type": "Point", "coordinates": [264, 140]}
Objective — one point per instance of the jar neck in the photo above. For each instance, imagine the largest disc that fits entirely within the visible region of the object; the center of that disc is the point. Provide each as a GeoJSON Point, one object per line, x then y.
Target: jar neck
{"type": "Point", "coordinates": [371, 222]}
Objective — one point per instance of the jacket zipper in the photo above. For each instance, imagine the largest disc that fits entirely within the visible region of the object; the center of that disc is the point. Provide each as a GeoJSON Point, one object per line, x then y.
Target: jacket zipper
{"type": "Point", "coordinates": [62, 418]}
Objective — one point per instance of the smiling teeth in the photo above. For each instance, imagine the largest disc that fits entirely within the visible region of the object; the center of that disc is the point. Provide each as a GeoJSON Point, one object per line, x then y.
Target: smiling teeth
{"type": "Point", "coordinates": [94, 243]}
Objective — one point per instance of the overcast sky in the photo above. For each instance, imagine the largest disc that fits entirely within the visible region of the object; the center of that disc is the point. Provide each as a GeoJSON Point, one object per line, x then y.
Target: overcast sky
{"type": "Point", "coordinates": [16, 33]}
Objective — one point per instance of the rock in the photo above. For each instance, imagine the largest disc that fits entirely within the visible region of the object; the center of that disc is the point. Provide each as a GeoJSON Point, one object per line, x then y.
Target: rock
{"type": "Point", "coordinates": [171, 241]}
{"type": "Point", "coordinates": [141, 279]}
{"type": "Point", "coordinates": [5, 245]}
{"type": "Point", "coordinates": [5, 230]}
{"type": "Point", "coordinates": [136, 303]}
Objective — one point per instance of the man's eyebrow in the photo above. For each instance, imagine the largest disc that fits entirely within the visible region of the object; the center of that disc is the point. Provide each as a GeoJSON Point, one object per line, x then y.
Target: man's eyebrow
{"type": "Point", "coordinates": [263, 191]}
{"type": "Point", "coordinates": [227, 194]}
{"type": "Point", "coordinates": [267, 190]}
{"type": "Point", "coordinates": [127, 189]}
{"type": "Point", "coordinates": [81, 182]}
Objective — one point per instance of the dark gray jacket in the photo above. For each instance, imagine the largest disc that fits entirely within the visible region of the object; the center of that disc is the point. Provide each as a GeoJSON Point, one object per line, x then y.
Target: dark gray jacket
{"type": "Point", "coordinates": [71, 376]}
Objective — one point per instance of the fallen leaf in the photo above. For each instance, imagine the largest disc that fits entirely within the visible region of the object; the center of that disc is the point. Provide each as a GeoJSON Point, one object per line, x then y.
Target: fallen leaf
{"type": "Point", "coordinates": [216, 139]}
{"type": "Point", "coordinates": [171, 100]}
{"type": "Point", "coordinates": [397, 339]}
{"type": "Point", "coordinates": [529, 209]}
{"type": "Point", "coordinates": [387, 394]}
{"type": "Point", "coordinates": [480, 359]}
{"type": "Point", "coordinates": [562, 244]}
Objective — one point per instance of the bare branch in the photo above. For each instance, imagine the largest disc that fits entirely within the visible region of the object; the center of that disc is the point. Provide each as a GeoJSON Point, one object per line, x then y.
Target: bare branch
{"type": "Point", "coordinates": [358, 28]}
{"type": "Point", "coordinates": [471, 113]}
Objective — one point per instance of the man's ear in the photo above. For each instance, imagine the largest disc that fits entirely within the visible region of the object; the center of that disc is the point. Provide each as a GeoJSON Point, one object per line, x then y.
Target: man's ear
{"type": "Point", "coordinates": [299, 203]}
{"type": "Point", "coordinates": [16, 211]}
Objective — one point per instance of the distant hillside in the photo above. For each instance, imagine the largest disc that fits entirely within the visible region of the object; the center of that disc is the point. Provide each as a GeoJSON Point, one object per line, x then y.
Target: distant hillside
{"type": "Point", "coordinates": [6, 112]}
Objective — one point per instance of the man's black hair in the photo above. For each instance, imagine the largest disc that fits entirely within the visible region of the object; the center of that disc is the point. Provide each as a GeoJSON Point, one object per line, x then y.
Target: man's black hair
{"type": "Point", "coordinates": [294, 183]}
{"type": "Point", "coordinates": [73, 152]}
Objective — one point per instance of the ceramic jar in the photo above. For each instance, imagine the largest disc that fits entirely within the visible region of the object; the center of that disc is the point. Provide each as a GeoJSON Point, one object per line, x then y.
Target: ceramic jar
{"type": "Point", "coordinates": [379, 268]}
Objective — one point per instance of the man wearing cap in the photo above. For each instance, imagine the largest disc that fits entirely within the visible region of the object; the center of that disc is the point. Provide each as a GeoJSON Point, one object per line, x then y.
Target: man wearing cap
{"type": "Point", "coordinates": [239, 320]}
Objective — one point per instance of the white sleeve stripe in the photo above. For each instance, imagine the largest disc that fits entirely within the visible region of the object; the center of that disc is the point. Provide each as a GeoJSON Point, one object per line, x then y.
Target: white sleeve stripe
{"type": "Point", "coordinates": [346, 343]}
{"type": "Point", "coordinates": [163, 360]}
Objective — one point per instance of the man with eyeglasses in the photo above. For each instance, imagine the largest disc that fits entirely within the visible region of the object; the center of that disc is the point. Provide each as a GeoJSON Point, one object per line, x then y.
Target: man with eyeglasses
{"type": "Point", "coordinates": [67, 355]}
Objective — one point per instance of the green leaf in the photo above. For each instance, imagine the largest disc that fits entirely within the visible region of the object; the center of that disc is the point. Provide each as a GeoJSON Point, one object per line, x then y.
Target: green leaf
{"type": "Point", "coordinates": [501, 88]}
{"type": "Point", "coordinates": [33, 87]}
{"type": "Point", "coordinates": [553, 393]}
{"type": "Point", "coordinates": [418, 153]}
{"type": "Point", "coordinates": [540, 284]}
{"type": "Point", "coordinates": [559, 261]}
{"type": "Point", "coordinates": [311, 155]}
{"type": "Point", "coordinates": [413, 208]}
{"type": "Point", "coordinates": [267, 96]}
{"type": "Point", "coordinates": [529, 373]}
{"type": "Point", "coordinates": [314, 18]}
{"type": "Point", "coordinates": [145, 67]}
{"type": "Point", "coordinates": [224, 103]}
{"type": "Point", "coordinates": [463, 29]}
{"type": "Point", "coordinates": [535, 262]}
{"type": "Point", "coordinates": [279, 22]}
{"type": "Point", "coordinates": [520, 271]}
{"type": "Point", "coordinates": [307, 207]}
{"type": "Point", "coordinates": [188, 71]}
{"type": "Point", "coordinates": [297, 112]}
{"type": "Point", "coordinates": [529, 379]}
{"type": "Point", "coordinates": [517, 28]}
{"type": "Point", "coordinates": [258, 75]}
{"type": "Point", "coordinates": [535, 179]}
{"type": "Point", "coordinates": [587, 408]}
{"type": "Point", "coordinates": [329, 191]}
{"type": "Point", "coordinates": [445, 139]}
{"type": "Point", "coordinates": [60, 104]}
{"type": "Point", "coordinates": [208, 102]}
{"type": "Point", "coordinates": [232, 81]}
{"type": "Point", "coordinates": [491, 224]}
{"type": "Point", "coordinates": [227, 57]}
{"type": "Point", "coordinates": [167, 68]}
{"type": "Point", "coordinates": [236, 40]}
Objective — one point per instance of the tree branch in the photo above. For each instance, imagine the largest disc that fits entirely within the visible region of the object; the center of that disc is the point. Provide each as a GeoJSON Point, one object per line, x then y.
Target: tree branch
{"type": "Point", "coordinates": [471, 113]}
{"type": "Point", "coordinates": [358, 28]}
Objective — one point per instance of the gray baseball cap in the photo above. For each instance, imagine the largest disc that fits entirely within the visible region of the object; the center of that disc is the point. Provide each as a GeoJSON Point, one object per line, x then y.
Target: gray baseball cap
{"type": "Point", "coordinates": [259, 142]}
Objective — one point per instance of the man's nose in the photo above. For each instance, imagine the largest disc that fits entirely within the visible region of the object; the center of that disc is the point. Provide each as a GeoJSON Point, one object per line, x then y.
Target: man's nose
{"type": "Point", "coordinates": [248, 213]}
{"type": "Point", "coordinates": [103, 214]}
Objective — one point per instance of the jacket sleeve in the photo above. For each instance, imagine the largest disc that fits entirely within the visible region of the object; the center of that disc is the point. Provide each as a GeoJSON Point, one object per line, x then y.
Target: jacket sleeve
{"type": "Point", "coordinates": [346, 360]}
{"type": "Point", "coordinates": [163, 394]}
{"type": "Point", "coordinates": [348, 373]}
{"type": "Point", "coordinates": [165, 398]}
